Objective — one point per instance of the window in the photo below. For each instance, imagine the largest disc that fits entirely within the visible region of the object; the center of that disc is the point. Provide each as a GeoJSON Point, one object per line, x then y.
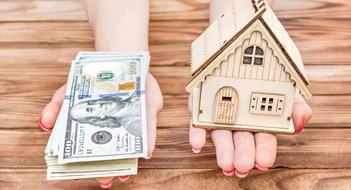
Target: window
{"type": "Point", "coordinates": [271, 104]}
{"type": "Point", "coordinates": [253, 55]}
{"type": "Point", "coordinates": [229, 99]}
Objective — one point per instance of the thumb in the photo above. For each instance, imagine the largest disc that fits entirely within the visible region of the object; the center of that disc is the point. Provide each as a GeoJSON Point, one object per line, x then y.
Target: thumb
{"type": "Point", "coordinates": [197, 136]}
{"type": "Point", "coordinates": [302, 113]}
{"type": "Point", "coordinates": [154, 104]}
{"type": "Point", "coordinates": [52, 109]}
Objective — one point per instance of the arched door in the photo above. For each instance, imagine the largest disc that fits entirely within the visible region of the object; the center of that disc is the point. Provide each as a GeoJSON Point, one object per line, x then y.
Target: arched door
{"type": "Point", "coordinates": [225, 105]}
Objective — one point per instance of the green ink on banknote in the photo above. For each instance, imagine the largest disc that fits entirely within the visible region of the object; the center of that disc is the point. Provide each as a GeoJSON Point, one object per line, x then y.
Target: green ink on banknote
{"type": "Point", "coordinates": [105, 75]}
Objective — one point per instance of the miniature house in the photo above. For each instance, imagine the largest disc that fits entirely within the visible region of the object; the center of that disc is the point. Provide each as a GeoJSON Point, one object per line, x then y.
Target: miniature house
{"type": "Point", "coordinates": [245, 72]}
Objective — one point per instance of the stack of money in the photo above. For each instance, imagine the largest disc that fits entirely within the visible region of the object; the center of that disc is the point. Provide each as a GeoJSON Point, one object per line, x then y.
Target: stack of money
{"type": "Point", "coordinates": [101, 128]}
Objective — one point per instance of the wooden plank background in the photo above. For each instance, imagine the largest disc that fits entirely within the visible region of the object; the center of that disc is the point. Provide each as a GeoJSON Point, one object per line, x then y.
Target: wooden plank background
{"type": "Point", "coordinates": [39, 38]}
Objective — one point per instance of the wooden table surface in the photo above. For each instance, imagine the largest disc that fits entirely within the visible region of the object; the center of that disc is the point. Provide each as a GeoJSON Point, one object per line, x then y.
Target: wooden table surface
{"type": "Point", "coordinates": [39, 38]}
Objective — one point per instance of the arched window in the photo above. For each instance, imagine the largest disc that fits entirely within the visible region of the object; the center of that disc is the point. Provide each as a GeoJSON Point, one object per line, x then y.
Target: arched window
{"type": "Point", "coordinates": [253, 55]}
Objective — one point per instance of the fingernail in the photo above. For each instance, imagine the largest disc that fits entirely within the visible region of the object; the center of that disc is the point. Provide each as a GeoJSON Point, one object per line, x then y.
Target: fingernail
{"type": "Point", "coordinates": [240, 174]}
{"type": "Point", "coordinates": [228, 173]}
{"type": "Point", "coordinates": [196, 151]}
{"type": "Point", "coordinates": [261, 168]}
{"type": "Point", "coordinates": [148, 157]}
{"type": "Point", "coordinates": [123, 178]}
{"type": "Point", "coordinates": [41, 125]}
{"type": "Point", "coordinates": [76, 179]}
{"type": "Point", "coordinates": [302, 125]}
{"type": "Point", "coordinates": [106, 185]}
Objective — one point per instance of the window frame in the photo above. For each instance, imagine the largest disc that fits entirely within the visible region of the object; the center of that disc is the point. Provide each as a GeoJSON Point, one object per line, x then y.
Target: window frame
{"type": "Point", "coordinates": [253, 56]}
{"type": "Point", "coordinates": [267, 103]}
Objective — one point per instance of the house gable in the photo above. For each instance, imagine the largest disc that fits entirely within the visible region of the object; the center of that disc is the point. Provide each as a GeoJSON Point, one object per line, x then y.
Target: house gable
{"type": "Point", "coordinates": [222, 32]}
{"type": "Point", "coordinates": [275, 67]}
{"type": "Point", "coordinates": [272, 69]}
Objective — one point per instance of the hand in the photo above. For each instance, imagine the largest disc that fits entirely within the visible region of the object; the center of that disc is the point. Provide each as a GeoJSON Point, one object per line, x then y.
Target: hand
{"type": "Point", "coordinates": [154, 104]}
{"type": "Point", "coordinates": [238, 152]}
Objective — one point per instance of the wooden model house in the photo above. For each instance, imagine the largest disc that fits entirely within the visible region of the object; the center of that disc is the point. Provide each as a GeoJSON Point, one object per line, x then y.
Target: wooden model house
{"type": "Point", "coordinates": [246, 70]}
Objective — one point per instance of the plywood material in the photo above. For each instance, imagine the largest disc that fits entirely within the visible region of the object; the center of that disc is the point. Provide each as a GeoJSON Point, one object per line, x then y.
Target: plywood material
{"type": "Point", "coordinates": [271, 68]}
{"type": "Point", "coordinates": [243, 14]}
{"type": "Point", "coordinates": [277, 56]}
{"type": "Point", "coordinates": [222, 32]}
{"type": "Point", "coordinates": [244, 119]}
{"type": "Point", "coordinates": [225, 106]}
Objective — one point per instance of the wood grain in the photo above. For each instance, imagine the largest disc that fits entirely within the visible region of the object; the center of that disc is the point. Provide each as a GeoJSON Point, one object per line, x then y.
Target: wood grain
{"type": "Point", "coordinates": [339, 9]}
{"type": "Point", "coordinates": [314, 148]}
{"type": "Point", "coordinates": [46, 32]}
{"type": "Point", "coordinates": [308, 150]}
{"type": "Point", "coordinates": [26, 107]}
{"type": "Point", "coordinates": [329, 79]}
{"type": "Point", "coordinates": [68, 10]}
{"type": "Point", "coordinates": [282, 179]}
{"type": "Point", "coordinates": [42, 10]}
{"type": "Point", "coordinates": [39, 38]}
{"type": "Point", "coordinates": [321, 41]}
{"type": "Point", "coordinates": [179, 10]}
{"type": "Point", "coordinates": [50, 52]}
{"type": "Point", "coordinates": [73, 10]}
{"type": "Point", "coordinates": [170, 40]}
{"type": "Point", "coordinates": [337, 81]}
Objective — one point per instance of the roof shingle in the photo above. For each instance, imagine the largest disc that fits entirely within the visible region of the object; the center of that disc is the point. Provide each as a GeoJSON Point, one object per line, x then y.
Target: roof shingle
{"type": "Point", "coordinates": [231, 24]}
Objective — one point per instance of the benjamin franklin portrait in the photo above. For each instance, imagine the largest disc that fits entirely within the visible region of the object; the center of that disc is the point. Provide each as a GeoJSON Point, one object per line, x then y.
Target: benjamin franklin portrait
{"type": "Point", "coordinates": [111, 112]}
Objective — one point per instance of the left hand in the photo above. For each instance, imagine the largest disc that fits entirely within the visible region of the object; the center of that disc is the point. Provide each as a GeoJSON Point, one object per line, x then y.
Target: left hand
{"type": "Point", "coordinates": [154, 104]}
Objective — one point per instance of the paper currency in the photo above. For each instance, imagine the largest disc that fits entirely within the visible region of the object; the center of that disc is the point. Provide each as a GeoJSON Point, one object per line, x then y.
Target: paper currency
{"type": "Point", "coordinates": [106, 111]}
{"type": "Point", "coordinates": [93, 169]}
{"type": "Point", "coordinates": [101, 128]}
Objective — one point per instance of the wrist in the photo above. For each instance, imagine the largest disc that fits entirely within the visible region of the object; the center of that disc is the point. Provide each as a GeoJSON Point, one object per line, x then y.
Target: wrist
{"type": "Point", "coordinates": [114, 41]}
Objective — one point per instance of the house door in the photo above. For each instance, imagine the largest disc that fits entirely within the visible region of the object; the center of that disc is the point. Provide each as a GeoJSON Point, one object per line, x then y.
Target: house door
{"type": "Point", "coordinates": [225, 105]}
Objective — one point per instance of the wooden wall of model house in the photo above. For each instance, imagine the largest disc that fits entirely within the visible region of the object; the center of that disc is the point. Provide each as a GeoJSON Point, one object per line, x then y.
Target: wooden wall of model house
{"type": "Point", "coordinates": [271, 69]}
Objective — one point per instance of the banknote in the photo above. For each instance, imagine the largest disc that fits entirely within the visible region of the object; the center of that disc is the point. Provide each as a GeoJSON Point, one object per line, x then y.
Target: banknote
{"type": "Point", "coordinates": [101, 128]}
{"type": "Point", "coordinates": [52, 147]}
{"type": "Point", "coordinates": [86, 55]}
{"type": "Point", "coordinates": [105, 110]}
{"type": "Point", "coordinates": [79, 170]}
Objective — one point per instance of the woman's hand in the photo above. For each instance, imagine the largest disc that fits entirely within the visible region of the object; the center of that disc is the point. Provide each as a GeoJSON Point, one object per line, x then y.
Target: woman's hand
{"type": "Point", "coordinates": [154, 104]}
{"type": "Point", "coordinates": [238, 152]}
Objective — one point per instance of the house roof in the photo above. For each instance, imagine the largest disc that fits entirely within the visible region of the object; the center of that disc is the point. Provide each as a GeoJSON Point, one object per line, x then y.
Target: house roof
{"type": "Point", "coordinates": [221, 33]}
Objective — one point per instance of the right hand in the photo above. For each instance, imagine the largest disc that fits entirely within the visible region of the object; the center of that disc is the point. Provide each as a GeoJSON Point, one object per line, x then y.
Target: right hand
{"type": "Point", "coordinates": [238, 152]}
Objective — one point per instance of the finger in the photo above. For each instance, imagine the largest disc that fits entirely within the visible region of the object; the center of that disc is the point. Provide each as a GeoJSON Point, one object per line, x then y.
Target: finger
{"type": "Point", "coordinates": [244, 156]}
{"type": "Point", "coordinates": [223, 142]}
{"type": "Point", "coordinates": [124, 178]}
{"type": "Point", "coordinates": [197, 136]}
{"type": "Point", "coordinates": [154, 104]}
{"type": "Point", "coordinates": [105, 182]}
{"type": "Point", "coordinates": [302, 113]}
{"type": "Point", "coordinates": [266, 150]}
{"type": "Point", "coordinates": [190, 102]}
{"type": "Point", "coordinates": [52, 109]}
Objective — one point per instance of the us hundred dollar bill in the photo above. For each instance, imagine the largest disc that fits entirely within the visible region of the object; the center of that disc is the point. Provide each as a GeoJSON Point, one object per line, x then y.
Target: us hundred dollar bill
{"type": "Point", "coordinates": [105, 109]}
{"type": "Point", "coordinates": [79, 170]}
